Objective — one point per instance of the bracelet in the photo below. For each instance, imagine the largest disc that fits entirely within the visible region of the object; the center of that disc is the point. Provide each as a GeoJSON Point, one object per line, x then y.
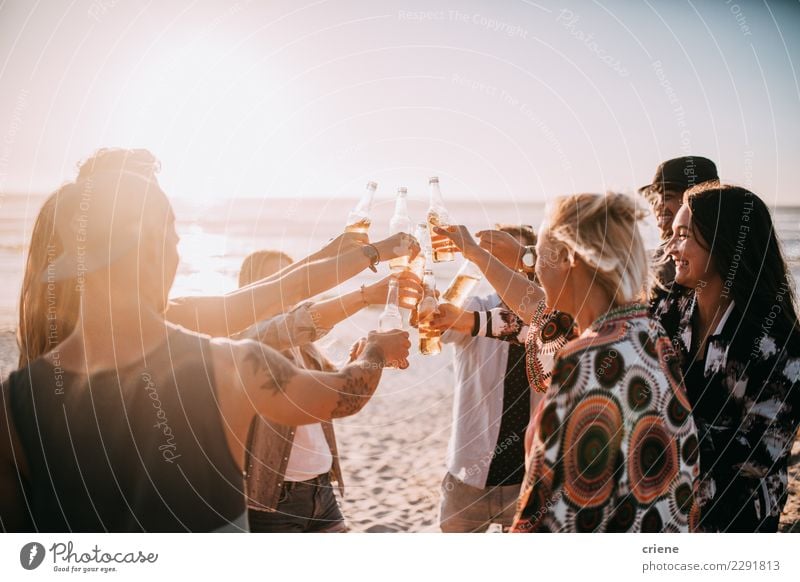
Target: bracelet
{"type": "Point", "coordinates": [476, 323]}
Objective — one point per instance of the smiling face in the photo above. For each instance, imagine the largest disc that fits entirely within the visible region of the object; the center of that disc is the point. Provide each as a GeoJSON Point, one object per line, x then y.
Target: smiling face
{"type": "Point", "coordinates": [665, 206]}
{"type": "Point", "coordinates": [693, 266]}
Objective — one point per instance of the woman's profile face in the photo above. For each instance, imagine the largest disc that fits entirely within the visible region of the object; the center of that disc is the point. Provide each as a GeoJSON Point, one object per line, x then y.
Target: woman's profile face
{"type": "Point", "coordinates": [693, 267]}
{"type": "Point", "coordinates": [552, 268]}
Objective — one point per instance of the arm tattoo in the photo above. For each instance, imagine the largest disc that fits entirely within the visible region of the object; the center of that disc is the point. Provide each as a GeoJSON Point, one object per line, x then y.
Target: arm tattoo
{"type": "Point", "coordinates": [272, 371]}
{"type": "Point", "coordinates": [360, 382]}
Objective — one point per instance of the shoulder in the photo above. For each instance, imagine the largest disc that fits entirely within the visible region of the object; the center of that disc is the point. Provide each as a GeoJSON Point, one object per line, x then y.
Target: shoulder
{"type": "Point", "coordinates": [604, 356]}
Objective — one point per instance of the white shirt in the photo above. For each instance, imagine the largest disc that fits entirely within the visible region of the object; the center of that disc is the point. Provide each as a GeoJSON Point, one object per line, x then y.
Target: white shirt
{"type": "Point", "coordinates": [480, 365]}
{"type": "Point", "coordinates": [311, 456]}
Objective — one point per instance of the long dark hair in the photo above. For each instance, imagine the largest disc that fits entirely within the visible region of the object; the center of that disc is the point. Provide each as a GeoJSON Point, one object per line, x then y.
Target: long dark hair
{"type": "Point", "coordinates": [746, 252]}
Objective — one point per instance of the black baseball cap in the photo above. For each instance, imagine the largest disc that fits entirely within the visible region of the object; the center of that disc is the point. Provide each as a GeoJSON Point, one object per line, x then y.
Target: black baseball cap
{"type": "Point", "coordinates": [680, 174]}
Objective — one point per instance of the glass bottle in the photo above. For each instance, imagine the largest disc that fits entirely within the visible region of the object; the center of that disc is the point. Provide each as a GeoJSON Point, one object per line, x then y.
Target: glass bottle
{"type": "Point", "coordinates": [359, 219]}
{"type": "Point", "coordinates": [443, 249]}
{"type": "Point", "coordinates": [391, 318]}
{"type": "Point", "coordinates": [467, 277]}
{"type": "Point", "coordinates": [418, 266]}
{"type": "Point", "coordinates": [400, 222]}
{"type": "Point", "coordinates": [430, 340]}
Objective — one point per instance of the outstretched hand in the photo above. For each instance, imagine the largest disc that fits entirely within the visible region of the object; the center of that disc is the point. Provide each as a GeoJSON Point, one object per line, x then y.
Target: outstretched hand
{"type": "Point", "coordinates": [448, 317]}
{"type": "Point", "coordinates": [410, 289]}
{"type": "Point", "coordinates": [460, 237]}
{"type": "Point", "coordinates": [398, 245]}
{"type": "Point", "coordinates": [502, 245]}
{"type": "Point", "coordinates": [394, 345]}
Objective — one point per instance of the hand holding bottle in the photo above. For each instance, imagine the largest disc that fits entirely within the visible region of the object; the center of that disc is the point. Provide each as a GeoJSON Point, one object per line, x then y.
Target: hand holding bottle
{"type": "Point", "coordinates": [394, 345]}
{"type": "Point", "coordinates": [461, 238]}
{"type": "Point", "coordinates": [503, 246]}
{"type": "Point", "coordinates": [452, 317]}
{"type": "Point", "coordinates": [410, 289]}
{"type": "Point", "coordinates": [398, 245]}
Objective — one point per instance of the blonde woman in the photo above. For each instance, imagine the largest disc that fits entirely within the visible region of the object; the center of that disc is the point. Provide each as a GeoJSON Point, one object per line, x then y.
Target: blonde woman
{"type": "Point", "coordinates": [615, 447]}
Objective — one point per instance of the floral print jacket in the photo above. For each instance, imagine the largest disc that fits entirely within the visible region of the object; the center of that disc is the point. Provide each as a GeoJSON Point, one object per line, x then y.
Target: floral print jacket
{"type": "Point", "coordinates": [746, 404]}
{"type": "Point", "coordinates": [614, 447]}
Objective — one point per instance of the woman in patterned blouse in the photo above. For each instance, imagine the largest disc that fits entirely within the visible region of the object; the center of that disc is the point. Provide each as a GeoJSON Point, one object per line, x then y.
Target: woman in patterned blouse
{"type": "Point", "coordinates": [737, 332]}
{"type": "Point", "coordinates": [615, 447]}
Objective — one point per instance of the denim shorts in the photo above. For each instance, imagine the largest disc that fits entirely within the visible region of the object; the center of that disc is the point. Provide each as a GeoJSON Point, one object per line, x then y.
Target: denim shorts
{"type": "Point", "coordinates": [304, 506]}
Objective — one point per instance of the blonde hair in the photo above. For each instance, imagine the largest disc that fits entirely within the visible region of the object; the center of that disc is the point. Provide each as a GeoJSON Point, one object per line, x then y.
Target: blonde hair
{"type": "Point", "coordinates": [602, 230]}
{"type": "Point", "coordinates": [253, 266]}
{"type": "Point", "coordinates": [48, 310]}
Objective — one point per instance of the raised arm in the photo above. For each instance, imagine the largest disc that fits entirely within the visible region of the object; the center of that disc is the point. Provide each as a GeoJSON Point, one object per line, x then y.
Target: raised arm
{"type": "Point", "coordinates": [520, 294]}
{"type": "Point", "coordinates": [331, 311]}
{"type": "Point", "coordinates": [226, 315]}
{"type": "Point", "coordinates": [255, 379]}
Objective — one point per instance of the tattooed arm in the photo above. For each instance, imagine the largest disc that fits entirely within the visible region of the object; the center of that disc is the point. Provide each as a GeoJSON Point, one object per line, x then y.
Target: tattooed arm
{"type": "Point", "coordinates": [255, 379]}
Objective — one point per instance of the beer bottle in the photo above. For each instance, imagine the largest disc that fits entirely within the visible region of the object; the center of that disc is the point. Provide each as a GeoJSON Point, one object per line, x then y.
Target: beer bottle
{"type": "Point", "coordinates": [430, 341]}
{"type": "Point", "coordinates": [463, 283]}
{"type": "Point", "coordinates": [417, 267]}
{"type": "Point", "coordinates": [443, 249]}
{"type": "Point", "coordinates": [359, 218]}
{"type": "Point", "coordinates": [400, 223]}
{"type": "Point", "coordinates": [391, 318]}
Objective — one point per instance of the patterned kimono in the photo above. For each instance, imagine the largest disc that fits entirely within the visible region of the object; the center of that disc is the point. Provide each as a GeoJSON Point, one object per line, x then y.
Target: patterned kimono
{"type": "Point", "coordinates": [746, 404]}
{"type": "Point", "coordinates": [614, 447]}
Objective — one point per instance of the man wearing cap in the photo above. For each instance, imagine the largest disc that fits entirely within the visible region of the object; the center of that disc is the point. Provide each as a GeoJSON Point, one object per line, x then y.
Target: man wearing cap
{"type": "Point", "coordinates": [665, 195]}
{"type": "Point", "coordinates": [133, 423]}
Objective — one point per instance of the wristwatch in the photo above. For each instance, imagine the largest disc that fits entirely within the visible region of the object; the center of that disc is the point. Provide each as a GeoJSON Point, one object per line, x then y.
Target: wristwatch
{"type": "Point", "coordinates": [372, 254]}
{"type": "Point", "coordinates": [529, 258]}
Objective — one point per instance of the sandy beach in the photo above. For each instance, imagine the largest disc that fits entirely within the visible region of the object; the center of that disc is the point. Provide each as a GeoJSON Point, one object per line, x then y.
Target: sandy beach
{"type": "Point", "coordinates": [393, 452]}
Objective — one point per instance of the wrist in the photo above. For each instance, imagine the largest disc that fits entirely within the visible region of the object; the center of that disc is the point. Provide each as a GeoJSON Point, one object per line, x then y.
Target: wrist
{"type": "Point", "coordinates": [373, 353]}
{"type": "Point", "coordinates": [465, 321]}
{"type": "Point", "coordinates": [477, 255]}
{"type": "Point", "coordinates": [366, 296]}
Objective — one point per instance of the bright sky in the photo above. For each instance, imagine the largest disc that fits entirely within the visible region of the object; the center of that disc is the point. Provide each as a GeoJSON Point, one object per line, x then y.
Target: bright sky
{"type": "Point", "coordinates": [514, 99]}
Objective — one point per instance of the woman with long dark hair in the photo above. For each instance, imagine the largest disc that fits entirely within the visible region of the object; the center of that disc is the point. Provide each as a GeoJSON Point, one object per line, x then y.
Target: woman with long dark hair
{"type": "Point", "coordinates": [737, 331]}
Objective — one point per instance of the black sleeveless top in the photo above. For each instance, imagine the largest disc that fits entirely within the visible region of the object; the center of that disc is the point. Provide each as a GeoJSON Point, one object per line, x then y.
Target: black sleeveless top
{"type": "Point", "coordinates": [140, 448]}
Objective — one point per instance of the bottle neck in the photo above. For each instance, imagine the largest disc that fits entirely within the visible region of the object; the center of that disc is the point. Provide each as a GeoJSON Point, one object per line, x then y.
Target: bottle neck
{"type": "Point", "coordinates": [365, 203]}
{"type": "Point", "coordinates": [401, 207]}
{"type": "Point", "coordinates": [393, 296]}
{"type": "Point", "coordinates": [436, 200]}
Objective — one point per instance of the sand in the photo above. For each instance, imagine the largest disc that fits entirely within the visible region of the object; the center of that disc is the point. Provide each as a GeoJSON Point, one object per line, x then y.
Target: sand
{"type": "Point", "coordinates": [393, 451]}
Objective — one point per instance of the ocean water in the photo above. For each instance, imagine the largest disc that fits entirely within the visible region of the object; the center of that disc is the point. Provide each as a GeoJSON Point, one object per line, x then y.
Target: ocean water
{"type": "Point", "coordinates": [216, 236]}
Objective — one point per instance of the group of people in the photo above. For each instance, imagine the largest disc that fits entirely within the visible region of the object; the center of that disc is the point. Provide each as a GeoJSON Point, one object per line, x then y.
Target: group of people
{"type": "Point", "coordinates": [599, 388]}
{"type": "Point", "coordinates": [664, 389]}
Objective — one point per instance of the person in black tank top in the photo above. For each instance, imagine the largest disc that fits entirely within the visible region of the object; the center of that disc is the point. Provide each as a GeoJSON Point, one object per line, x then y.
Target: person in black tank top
{"type": "Point", "coordinates": [140, 448]}
{"type": "Point", "coordinates": [132, 423]}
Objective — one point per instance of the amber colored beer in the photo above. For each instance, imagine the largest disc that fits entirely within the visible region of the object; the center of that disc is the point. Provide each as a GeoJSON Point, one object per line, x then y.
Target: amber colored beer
{"type": "Point", "coordinates": [458, 291]}
{"type": "Point", "coordinates": [430, 340]}
{"type": "Point", "coordinates": [359, 227]}
{"type": "Point", "coordinates": [398, 264]}
{"type": "Point", "coordinates": [417, 266]}
{"type": "Point", "coordinates": [443, 248]}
